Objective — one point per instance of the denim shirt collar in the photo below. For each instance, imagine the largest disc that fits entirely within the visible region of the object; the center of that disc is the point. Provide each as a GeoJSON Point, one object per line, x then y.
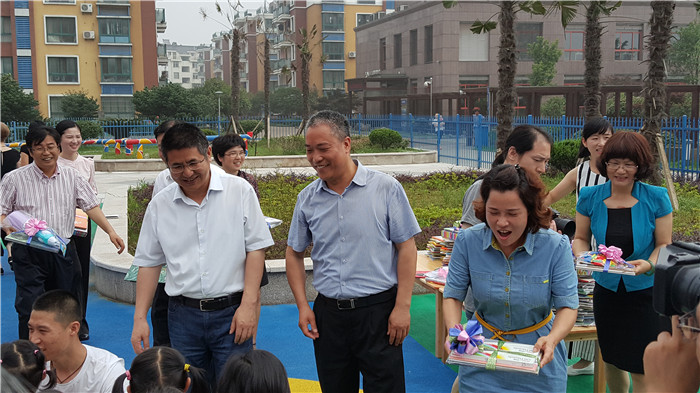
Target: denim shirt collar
{"type": "Point", "coordinates": [489, 240]}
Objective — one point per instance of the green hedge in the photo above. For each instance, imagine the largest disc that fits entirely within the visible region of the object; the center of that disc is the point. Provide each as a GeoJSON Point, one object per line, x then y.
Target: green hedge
{"type": "Point", "coordinates": [385, 138]}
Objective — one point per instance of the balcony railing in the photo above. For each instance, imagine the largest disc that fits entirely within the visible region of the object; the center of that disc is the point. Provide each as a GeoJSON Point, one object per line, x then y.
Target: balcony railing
{"type": "Point", "coordinates": [161, 23]}
{"type": "Point", "coordinates": [279, 64]}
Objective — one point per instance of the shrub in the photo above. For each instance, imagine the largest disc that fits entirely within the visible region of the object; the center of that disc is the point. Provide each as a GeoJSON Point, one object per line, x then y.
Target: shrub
{"type": "Point", "coordinates": [564, 155]}
{"type": "Point", "coordinates": [89, 129]}
{"type": "Point", "coordinates": [554, 107]}
{"type": "Point", "coordinates": [292, 145]}
{"type": "Point", "coordinates": [385, 138]}
{"type": "Point", "coordinates": [137, 199]}
{"type": "Point", "coordinates": [249, 126]}
{"type": "Point", "coordinates": [209, 131]}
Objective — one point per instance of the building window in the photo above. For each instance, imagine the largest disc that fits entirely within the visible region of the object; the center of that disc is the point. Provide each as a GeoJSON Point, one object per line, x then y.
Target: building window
{"type": "Point", "coordinates": [7, 66]}
{"type": "Point", "coordinates": [56, 107]}
{"type": "Point", "coordinates": [62, 69]}
{"type": "Point", "coordinates": [366, 2]}
{"type": "Point", "coordinates": [115, 30]}
{"type": "Point", "coordinates": [382, 53]}
{"type": "Point", "coordinates": [573, 80]}
{"type": "Point", "coordinates": [522, 80]}
{"type": "Point", "coordinates": [413, 47]}
{"type": "Point", "coordinates": [332, 21]}
{"type": "Point", "coordinates": [117, 107]}
{"type": "Point", "coordinates": [59, 1]}
{"type": "Point", "coordinates": [176, 75]}
{"type": "Point", "coordinates": [467, 81]}
{"type": "Point", "coordinates": [428, 44]}
{"type": "Point", "coordinates": [573, 42]}
{"type": "Point", "coordinates": [526, 34]}
{"type": "Point", "coordinates": [472, 47]}
{"type": "Point", "coordinates": [60, 30]}
{"type": "Point", "coordinates": [334, 50]}
{"type": "Point", "coordinates": [413, 86]}
{"type": "Point", "coordinates": [116, 69]}
{"type": "Point", "coordinates": [333, 80]}
{"type": "Point", "coordinates": [397, 50]}
{"type": "Point", "coordinates": [176, 64]}
{"type": "Point", "coordinates": [185, 80]}
{"type": "Point", "coordinates": [628, 40]}
{"type": "Point", "coordinates": [185, 69]}
{"type": "Point", "coordinates": [364, 18]}
{"type": "Point", "coordinates": [6, 29]}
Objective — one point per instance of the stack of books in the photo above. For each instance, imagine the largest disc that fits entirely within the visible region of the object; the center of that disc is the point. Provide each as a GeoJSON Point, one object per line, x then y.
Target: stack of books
{"type": "Point", "coordinates": [500, 355]}
{"type": "Point", "coordinates": [585, 300]}
{"type": "Point", "coordinates": [435, 248]}
{"type": "Point", "coordinates": [594, 261]}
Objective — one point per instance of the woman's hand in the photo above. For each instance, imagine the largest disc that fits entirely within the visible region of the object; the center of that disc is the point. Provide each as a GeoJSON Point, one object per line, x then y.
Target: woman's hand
{"type": "Point", "coordinates": [641, 266]}
{"type": "Point", "coordinates": [546, 345]}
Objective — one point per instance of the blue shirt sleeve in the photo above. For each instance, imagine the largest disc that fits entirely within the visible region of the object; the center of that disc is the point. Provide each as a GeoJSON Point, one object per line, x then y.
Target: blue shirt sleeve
{"type": "Point", "coordinates": [584, 205]}
{"type": "Point", "coordinates": [402, 221]}
{"type": "Point", "coordinates": [564, 280]}
{"type": "Point", "coordinates": [663, 202]}
{"type": "Point", "coordinates": [458, 278]}
{"type": "Point", "coordinates": [299, 233]}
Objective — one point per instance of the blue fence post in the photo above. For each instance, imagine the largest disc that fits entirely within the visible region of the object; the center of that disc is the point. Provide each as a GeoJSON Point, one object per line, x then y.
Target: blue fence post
{"type": "Point", "coordinates": [359, 123]}
{"type": "Point", "coordinates": [563, 127]}
{"type": "Point", "coordinates": [684, 138]}
{"type": "Point", "coordinates": [410, 127]}
{"type": "Point", "coordinates": [457, 138]}
{"type": "Point", "coordinates": [391, 121]}
{"type": "Point", "coordinates": [530, 120]}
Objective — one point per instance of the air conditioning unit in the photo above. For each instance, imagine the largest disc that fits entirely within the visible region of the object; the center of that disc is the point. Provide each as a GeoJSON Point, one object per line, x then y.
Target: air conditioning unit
{"type": "Point", "coordinates": [86, 8]}
{"type": "Point", "coordinates": [89, 35]}
{"type": "Point", "coordinates": [403, 7]}
{"type": "Point", "coordinates": [352, 54]}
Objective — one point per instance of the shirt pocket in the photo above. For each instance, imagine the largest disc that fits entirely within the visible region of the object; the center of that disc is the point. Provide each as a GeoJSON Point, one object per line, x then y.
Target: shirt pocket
{"type": "Point", "coordinates": [481, 283]}
{"type": "Point", "coordinates": [537, 291]}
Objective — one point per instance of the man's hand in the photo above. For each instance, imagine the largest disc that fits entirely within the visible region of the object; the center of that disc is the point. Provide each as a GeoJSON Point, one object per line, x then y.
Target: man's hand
{"type": "Point", "coordinates": [140, 336]}
{"type": "Point", "coordinates": [117, 241]}
{"type": "Point", "coordinates": [244, 323]}
{"type": "Point", "coordinates": [308, 318]}
{"type": "Point", "coordinates": [670, 363]}
{"type": "Point", "coordinates": [546, 345]}
{"type": "Point", "coordinates": [399, 325]}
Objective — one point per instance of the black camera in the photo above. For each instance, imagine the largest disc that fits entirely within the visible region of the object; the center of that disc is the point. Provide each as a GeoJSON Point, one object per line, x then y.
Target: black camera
{"type": "Point", "coordinates": [677, 279]}
{"type": "Point", "coordinates": [566, 226]}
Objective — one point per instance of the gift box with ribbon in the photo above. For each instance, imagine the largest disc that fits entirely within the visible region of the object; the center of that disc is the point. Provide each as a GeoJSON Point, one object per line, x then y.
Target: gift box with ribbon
{"type": "Point", "coordinates": [606, 259]}
{"type": "Point", "coordinates": [469, 348]}
{"type": "Point", "coordinates": [34, 233]}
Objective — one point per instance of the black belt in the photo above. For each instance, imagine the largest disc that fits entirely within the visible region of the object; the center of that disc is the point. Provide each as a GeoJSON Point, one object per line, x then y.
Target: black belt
{"type": "Point", "coordinates": [350, 304]}
{"type": "Point", "coordinates": [211, 304]}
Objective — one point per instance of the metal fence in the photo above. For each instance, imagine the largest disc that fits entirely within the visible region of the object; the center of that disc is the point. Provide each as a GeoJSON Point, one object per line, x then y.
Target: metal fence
{"type": "Point", "coordinates": [467, 140]}
{"type": "Point", "coordinates": [471, 140]}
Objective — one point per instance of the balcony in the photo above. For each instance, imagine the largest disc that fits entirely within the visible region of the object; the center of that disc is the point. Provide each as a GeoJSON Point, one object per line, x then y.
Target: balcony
{"type": "Point", "coordinates": [161, 24]}
{"type": "Point", "coordinates": [277, 65]}
{"type": "Point", "coordinates": [162, 52]}
{"type": "Point", "coordinates": [280, 40]}
{"type": "Point", "coordinates": [281, 13]}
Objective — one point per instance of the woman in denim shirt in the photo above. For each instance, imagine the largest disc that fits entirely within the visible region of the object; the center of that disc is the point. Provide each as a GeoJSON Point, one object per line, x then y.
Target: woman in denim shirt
{"type": "Point", "coordinates": [641, 213]}
{"type": "Point", "coordinates": [519, 270]}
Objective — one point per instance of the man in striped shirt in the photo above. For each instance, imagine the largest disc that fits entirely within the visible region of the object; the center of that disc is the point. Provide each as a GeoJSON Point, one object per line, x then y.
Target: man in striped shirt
{"type": "Point", "coordinates": [49, 192]}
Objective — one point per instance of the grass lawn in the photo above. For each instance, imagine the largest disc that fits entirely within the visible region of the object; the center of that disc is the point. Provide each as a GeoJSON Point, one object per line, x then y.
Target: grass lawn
{"type": "Point", "coordinates": [436, 199]}
{"type": "Point", "coordinates": [292, 145]}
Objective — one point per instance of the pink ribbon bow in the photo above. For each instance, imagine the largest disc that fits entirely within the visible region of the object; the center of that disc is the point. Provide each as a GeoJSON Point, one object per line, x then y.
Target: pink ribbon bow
{"type": "Point", "coordinates": [33, 225]}
{"type": "Point", "coordinates": [612, 253]}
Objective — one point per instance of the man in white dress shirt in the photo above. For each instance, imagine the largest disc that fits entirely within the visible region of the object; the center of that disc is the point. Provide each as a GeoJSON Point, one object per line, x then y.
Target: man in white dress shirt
{"type": "Point", "coordinates": [210, 232]}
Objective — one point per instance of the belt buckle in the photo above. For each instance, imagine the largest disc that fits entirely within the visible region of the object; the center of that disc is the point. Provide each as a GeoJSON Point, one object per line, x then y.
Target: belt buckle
{"type": "Point", "coordinates": [201, 304]}
{"type": "Point", "coordinates": [345, 304]}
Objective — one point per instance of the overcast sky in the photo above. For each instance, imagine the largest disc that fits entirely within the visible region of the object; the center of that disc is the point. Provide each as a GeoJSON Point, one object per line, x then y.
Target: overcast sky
{"type": "Point", "coordinates": [185, 24]}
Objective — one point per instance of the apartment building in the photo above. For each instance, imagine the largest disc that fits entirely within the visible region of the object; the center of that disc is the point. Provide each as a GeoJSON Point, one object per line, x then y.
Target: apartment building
{"type": "Point", "coordinates": [425, 42]}
{"type": "Point", "coordinates": [105, 48]}
{"type": "Point", "coordinates": [186, 64]}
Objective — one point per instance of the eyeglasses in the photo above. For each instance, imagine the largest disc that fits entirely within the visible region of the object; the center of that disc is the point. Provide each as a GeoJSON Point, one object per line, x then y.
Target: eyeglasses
{"type": "Point", "coordinates": [192, 165]}
{"type": "Point", "coordinates": [41, 149]}
{"type": "Point", "coordinates": [688, 323]}
{"type": "Point", "coordinates": [235, 154]}
{"type": "Point", "coordinates": [613, 166]}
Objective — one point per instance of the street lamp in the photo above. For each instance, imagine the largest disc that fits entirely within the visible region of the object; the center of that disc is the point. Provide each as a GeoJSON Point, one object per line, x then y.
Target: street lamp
{"type": "Point", "coordinates": [429, 84]}
{"type": "Point", "coordinates": [218, 125]}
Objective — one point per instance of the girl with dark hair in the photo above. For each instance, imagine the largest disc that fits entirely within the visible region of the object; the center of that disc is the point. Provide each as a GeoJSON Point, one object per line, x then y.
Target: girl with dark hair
{"type": "Point", "coordinates": [635, 217]}
{"type": "Point", "coordinates": [71, 140]}
{"type": "Point", "coordinates": [595, 134]}
{"type": "Point", "coordinates": [256, 371]}
{"type": "Point", "coordinates": [161, 366]}
{"type": "Point", "coordinates": [25, 361]}
{"type": "Point", "coordinates": [518, 271]}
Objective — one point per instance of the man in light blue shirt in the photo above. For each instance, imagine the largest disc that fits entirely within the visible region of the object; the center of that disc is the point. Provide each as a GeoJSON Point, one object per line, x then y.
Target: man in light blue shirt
{"type": "Point", "coordinates": [362, 227]}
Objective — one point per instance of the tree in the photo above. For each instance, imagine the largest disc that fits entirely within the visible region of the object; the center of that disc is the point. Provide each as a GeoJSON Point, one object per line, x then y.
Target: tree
{"type": "Point", "coordinates": [286, 101]}
{"type": "Point", "coordinates": [592, 55]}
{"type": "Point", "coordinates": [658, 43]}
{"type": "Point", "coordinates": [545, 56]}
{"type": "Point", "coordinates": [507, 62]}
{"type": "Point", "coordinates": [684, 56]}
{"type": "Point", "coordinates": [336, 100]}
{"type": "Point", "coordinates": [169, 101]}
{"type": "Point", "coordinates": [77, 104]}
{"type": "Point", "coordinates": [306, 55]}
{"type": "Point", "coordinates": [16, 105]}
{"type": "Point", "coordinates": [207, 101]}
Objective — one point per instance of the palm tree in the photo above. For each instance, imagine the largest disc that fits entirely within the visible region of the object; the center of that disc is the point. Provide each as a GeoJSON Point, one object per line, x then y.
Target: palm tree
{"type": "Point", "coordinates": [658, 44]}
{"type": "Point", "coordinates": [507, 60]}
{"type": "Point", "coordinates": [594, 31]}
{"type": "Point", "coordinates": [305, 48]}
